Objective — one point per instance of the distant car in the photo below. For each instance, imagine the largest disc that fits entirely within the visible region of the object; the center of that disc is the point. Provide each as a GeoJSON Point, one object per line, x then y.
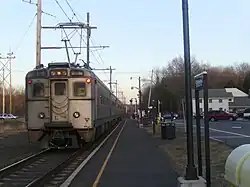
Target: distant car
{"type": "Point", "coordinates": [246, 113]}
{"type": "Point", "coordinates": [201, 115]}
{"type": "Point", "coordinates": [8, 116]}
{"type": "Point", "coordinates": [168, 116]}
{"type": "Point", "coordinates": [215, 115]}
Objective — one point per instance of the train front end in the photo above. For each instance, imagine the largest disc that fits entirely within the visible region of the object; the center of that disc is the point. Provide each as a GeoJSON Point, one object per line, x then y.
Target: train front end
{"type": "Point", "coordinates": [62, 111]}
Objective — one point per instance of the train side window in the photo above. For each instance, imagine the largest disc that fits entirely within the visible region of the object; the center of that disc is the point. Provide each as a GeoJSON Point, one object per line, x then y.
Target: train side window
{"type": "Point", "coordinates": [38, 90]}
{"type": "Point", "coordinates": [60, 88]}
{"type": "Point", "coordinates": [79, 89]}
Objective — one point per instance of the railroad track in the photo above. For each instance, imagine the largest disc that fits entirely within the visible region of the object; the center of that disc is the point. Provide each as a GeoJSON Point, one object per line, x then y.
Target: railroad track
{"type": "Point", "coordinates": [50, 167]}
{"type": "Point", "coordinates": [25, 172]}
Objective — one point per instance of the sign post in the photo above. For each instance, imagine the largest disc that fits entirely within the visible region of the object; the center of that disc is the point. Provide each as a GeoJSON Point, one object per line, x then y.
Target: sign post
{"type": "Point", "coordinates": [201, 84]}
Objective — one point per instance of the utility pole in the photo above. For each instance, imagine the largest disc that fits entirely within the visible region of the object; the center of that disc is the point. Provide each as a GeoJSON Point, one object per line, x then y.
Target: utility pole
{"type": "Point", "coordinates": [5, 69]}
{"type": "Point", "coordinates": [88, 37]}
{"type": "Point", "coordinates": [38, 32]}
{"type": "Point", "coordinates": [3, 87]}
{"type": "Point", "coordinates": [116, 88]}
{"type": "Point", "coordinates": [150, 90]}
{"type": "Point", "coordinates": [10, 57]}
{"type": "Point", "coordinates": [110, 75]}
{"type": "Point", "coordinates": [140, 103]}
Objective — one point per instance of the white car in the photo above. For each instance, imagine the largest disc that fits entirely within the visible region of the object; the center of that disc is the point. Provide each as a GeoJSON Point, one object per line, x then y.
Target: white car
{"type": "Point", "coordinates": [7, 116]}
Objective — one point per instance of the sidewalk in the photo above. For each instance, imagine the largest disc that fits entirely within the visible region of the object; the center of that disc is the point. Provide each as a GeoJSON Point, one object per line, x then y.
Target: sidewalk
{"type": "Point", "coordinates": [137, 162]}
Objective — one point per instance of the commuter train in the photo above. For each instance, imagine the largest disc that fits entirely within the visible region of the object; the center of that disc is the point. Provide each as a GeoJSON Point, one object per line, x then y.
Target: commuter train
{"type": "Point", "coordinates": [66, 102]}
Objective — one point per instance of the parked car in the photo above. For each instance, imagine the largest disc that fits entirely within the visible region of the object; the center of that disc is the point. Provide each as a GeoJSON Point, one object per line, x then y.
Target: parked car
{"type": "Point", "coordinates": [8, 116]}
{"type": "Point", "coordinates": [201, 115]}
{"type": "Point", "coordinates": [246, 113]}
{"type": "Point", "coordinates": [169, 116]}
{"type": "Point", "coordinates": [215, 115]}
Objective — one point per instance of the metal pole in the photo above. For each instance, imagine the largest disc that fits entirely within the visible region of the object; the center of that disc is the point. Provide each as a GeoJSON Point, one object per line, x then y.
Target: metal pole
{"type": "Point", "coordinates": [140, 105]}
{"type": "Point", "coordinates": [10, 57]}
{"type": "Point", "coordinates": [191, 172]}
{"type": "Point", "coordinates": [136, 112]}
{"type": "Point", "coordinates": [38, 32]}
{"type": "Point", "coordinates": [10, 88]}
{"type": "Point", "coordinates": [198, 131]}
{"type": "Point", "coordinates": [110, 79]}
{"type": "Point", "coordinates": [116, 88]}
{"type": "Point", "coordinates": [206, 129]}
{"type": "Point", "coordinates": [88, 37]}
{"type": "Point", "coordinates": [184, 115]}
{"type": "Point", "coordinates": [110, 87]}
{"type": "Point", "coordinates": [150, 89]}
{"type": "Point", "coordinates": [3, 87]}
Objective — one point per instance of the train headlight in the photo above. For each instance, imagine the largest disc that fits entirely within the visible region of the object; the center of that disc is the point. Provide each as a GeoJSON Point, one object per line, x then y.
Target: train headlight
{"type": "Point", "coordinates": [88, 81]}
{"type": "Point", "coordinates": [41, 115]}
{"type": "Point", "coordinates": [76, 114]}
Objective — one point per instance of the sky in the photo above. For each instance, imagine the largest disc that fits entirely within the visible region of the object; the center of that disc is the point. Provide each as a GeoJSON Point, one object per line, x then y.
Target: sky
{"type": "Point", "coordinates": [142, 34]}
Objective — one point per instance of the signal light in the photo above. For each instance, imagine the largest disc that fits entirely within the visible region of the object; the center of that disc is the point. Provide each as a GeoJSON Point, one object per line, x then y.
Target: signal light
{"type": "Point", "coordinates": [29, 81]}
{"type": "Point", "coordinates": [88, 81]}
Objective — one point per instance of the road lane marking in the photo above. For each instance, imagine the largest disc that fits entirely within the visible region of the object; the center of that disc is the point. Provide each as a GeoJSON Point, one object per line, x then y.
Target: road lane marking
{"type": "Point", "coordinates": [226, 137]}
{"type": "Point", "coordinates": [215, 139]}
{"type": "Point", "coordinates": [236, 127]}
{"type": "Point", "coordinates": [97, 180]}
{"type": "Point", "coordinates": [227, 132]}
{"type": "Point", "coordinates": [79, 168]}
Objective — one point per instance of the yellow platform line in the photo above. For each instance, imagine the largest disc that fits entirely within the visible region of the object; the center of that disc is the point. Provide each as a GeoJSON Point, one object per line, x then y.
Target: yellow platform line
{"type": "Point", "coordinates": [97, 180]}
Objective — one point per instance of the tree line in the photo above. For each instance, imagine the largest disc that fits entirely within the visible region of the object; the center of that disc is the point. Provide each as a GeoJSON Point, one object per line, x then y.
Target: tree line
{"type": "Point", "coordinates": [18, 101]}
{"type": "Point", "coordinates": [168, 81]}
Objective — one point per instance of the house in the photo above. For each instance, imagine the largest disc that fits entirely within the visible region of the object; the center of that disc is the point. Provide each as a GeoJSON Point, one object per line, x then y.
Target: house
{"type": "Point", "coordinates": [240, 102]}
{"type": "Point", "coordinates": [218, 99]}
{"type": "Point", "coordinates": [226, 99]}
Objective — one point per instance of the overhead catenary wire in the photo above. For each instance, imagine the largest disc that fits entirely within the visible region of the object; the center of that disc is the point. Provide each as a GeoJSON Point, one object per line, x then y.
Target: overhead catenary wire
{"type": "Point", "coordinates": [25, 33]}
{"type": "Point", "coordinates": [75, 15]}
{"type": "Point", "coordinates": [77, 30]}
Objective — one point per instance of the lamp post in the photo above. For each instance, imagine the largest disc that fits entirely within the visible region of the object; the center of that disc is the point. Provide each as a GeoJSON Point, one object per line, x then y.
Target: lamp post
{"type": "Point", "coordinates": [191, 172]}
{"type": "Point", "coordinates": [140, 96]}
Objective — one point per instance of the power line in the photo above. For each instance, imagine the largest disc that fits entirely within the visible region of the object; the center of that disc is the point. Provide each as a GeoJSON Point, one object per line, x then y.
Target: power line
{"type": "Point", "coordinates": [25, 33]}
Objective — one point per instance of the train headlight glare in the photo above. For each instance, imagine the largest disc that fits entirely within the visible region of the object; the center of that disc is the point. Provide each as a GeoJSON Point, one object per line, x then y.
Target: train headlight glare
{"type": "Point", "coordinates": [76, 114]}
{"type": "Point", "coordinates": [88, 81]}
{"type": "Point", "coordinates": [41, 115]}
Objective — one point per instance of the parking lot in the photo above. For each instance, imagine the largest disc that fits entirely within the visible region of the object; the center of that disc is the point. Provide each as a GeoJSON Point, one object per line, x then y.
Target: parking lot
{"type": "Point", "coordinates": [233, 133]}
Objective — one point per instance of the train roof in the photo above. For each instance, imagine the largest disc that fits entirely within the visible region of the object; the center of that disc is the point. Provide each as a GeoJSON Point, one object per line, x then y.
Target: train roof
{"type": "Point", "coordinates": [41, 69]}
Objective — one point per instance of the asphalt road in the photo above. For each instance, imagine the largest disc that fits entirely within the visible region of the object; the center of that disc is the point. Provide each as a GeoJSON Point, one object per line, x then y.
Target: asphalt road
{"type": "Point", "coordinates": [233, 133]}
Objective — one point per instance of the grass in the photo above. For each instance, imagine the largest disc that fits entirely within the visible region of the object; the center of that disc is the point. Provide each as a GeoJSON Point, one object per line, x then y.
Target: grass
{"type": "Point", "coordinates": [176, 151]}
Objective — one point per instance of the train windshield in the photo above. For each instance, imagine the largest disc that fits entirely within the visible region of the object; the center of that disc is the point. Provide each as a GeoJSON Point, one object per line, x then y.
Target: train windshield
{"type": "Point", "coordinates": [38, 90]}
{"type": "Point", "coordinates": [60, 88]}
{"type": "Point", "coordinates": [79, 89]}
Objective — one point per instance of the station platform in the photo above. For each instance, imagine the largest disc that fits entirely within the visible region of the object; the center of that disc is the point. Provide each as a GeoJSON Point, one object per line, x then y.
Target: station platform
{"type": "Point", "coordinates": [129, 158]}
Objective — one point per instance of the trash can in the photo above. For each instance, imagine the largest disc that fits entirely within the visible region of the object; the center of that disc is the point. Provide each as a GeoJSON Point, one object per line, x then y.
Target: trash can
{"type": "Point", "coordinates": [163, 130]}
{"type": "Point", "coordinates": [170, 131]}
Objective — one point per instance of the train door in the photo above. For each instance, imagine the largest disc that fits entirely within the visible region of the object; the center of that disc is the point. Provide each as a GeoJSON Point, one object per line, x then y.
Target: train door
{"type": "Point", "coordinates": [59, 101]}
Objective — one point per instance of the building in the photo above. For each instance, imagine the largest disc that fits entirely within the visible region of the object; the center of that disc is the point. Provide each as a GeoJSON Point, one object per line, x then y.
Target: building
{"type": "Point", "coordinates": [218, 99]}
{"type": "Point", "coordinates": [240, 102]}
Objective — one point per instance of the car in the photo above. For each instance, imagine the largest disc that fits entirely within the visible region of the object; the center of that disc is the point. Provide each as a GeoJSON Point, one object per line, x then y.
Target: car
{"type": "Point", "coordinates": [201, 115]}
{"type": "Point", "coordinates": [246, 113]}
{"type": "Point", "coordinates": [8, 116]}
{"type": "Point", "coordinates": [215, 115]}
{"type": "Point", "coordinates": [169, 116]}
